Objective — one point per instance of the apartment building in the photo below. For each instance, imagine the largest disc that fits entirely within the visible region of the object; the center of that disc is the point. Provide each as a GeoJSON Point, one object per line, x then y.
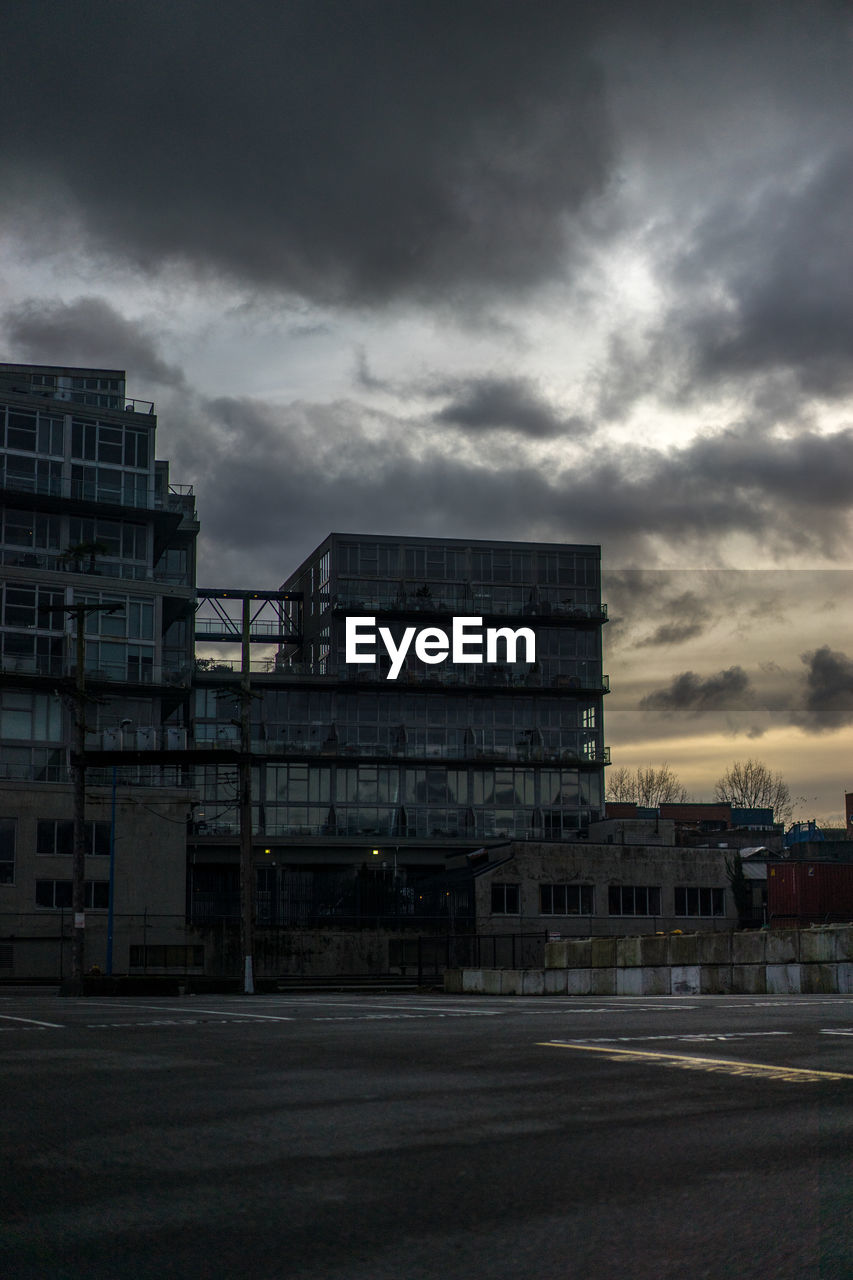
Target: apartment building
{"type": "Point", "coordinates": [88, 516]}
{"type": "Point", "coordinates": [369, 772]}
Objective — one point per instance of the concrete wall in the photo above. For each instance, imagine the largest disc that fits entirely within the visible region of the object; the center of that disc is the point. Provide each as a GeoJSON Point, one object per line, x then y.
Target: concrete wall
{"type": "Point", "coordinates": [601, 865]}
{"type": "Point", "coordinates": [778, 962]}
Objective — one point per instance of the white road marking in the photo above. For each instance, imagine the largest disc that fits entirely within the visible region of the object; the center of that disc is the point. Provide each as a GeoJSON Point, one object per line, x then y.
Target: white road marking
{"type": "Point", "coordinates": [35, 1021]}
{"type": "Point", "coordinates": [363, 1004]}
{"type": "Point", "coordinates": [162, 1008]}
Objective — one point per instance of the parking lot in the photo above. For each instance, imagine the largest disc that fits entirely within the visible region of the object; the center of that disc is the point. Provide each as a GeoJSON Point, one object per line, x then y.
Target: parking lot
{"type": "Point", "coordinates": [364, 1136]}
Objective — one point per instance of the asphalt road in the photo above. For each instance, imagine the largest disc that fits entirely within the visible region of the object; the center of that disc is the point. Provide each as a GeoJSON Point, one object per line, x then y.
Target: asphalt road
{"type": "Point", "coordinates": [426, 1137]}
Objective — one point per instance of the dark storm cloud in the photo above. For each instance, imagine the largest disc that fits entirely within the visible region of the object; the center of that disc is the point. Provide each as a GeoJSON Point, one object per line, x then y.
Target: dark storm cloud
{"type": "Point", "coordinates": [828, 702]}
{"type": "Point", "coordinates": [366, 150]}
{"type": "Point", "coordinates": [686, 616]}
{"type": "Point", "coordinates": [724, 691]}
{"type": "Point", "coordinates": [513, 404]}
{"type": "Point", "coordinates": [364, 375]}
{"type": "Point", "coordinates": [279, 477]}
{"type": "Point", "coordinates": [349, 150]}
{"type": "Point", "coordinates": [784, 263]}
{"type": "Point", "coordinates": [739, 123]}
{"type": "Point", "coordinates": [85, 332]}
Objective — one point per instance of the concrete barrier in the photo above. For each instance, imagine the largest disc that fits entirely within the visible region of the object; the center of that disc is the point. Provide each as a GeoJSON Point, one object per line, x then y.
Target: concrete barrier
{"type": "Point", "coordinates": [684, 980]}
{"type": "Point", "coordinates": [817, 961]}
{"type": "Point", "coordinates": [783, 979]}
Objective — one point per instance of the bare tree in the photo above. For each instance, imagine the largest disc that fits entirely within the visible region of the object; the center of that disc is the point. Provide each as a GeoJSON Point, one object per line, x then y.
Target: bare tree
{"type": "Point", "coordinates": [621, 786]}
{"type": "Point", "coordinates": [648, 787]}
{"type": "Point", "coordinates": [749, 784]}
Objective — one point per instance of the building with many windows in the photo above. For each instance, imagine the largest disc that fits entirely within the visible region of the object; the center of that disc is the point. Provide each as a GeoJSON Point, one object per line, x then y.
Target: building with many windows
{"type": "Point", "coordinates": [418, 749]}
{"type": "Point", "coordinates": [89, 516]}
{"type": "Point", "coordinates": [378, 768]}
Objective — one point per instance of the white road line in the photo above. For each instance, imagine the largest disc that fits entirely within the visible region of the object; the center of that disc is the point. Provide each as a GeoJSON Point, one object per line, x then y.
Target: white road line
{"type": "Point", "coordinates": [163, 1008]}
{"type": "Point", "coordinates": [836, 1031]}
{"type": "Point", "coordinates": [363, 1004]}
{"type": "Point", "coordinates": [35, 1021]}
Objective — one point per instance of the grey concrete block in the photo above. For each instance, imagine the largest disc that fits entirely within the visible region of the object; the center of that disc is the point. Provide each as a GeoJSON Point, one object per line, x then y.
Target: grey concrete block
{"type": "Point", "coordinates": [579, 982]}
{"type": "Point", "coordinates": [844, 974]}
{"type": "Point", "coordinates": [654, 949]}
{"type": "Point", "coordinates": [453, 981]}
{"type": "Point", "coordinates": [533, 982]}
{"type": "Point", "coordinates": [783, 979]}
{"type": "Point", "coordinates": [511, 980]}
{"type": "Point", "coordinates": [715, 979]}
{"type": "Point", "coordinates": [656, 980]}
{"type": "Point", "coordinates": [845, 941]}
{"type": "Point", "coordinates": [628, 952]}
{"type": "Point", "coordinates": [629, 982]}
{"type": "Point", "coordinates": [819, 946]}
{"type": "Point", "coordinates": [472, 981]}
{"type": "Point", "coordinates": [684, 948]}
{"type": "Point", "coordinates": [819, 979]}
{"type": "Point", "coordinates": [602, 952]}
{"type": "Point", "coordinates": [491, 982]}
{"type": "Point", "coordinates": [685, 980]}
{"type": "Point", "coordinates": [749, 948]}
{"type": "Point", "coordinates": [556, 982]}
{"type": "Point", "coordinates": [715, 948]}
{"type": "Point", "coordinates": [602, 981]}
{"type": "Point", "coordinates": [749, 979]}
{"type": "Point", "coordinates": [783, 946]}
{"type": "Point", "coordinates": [579, 953]}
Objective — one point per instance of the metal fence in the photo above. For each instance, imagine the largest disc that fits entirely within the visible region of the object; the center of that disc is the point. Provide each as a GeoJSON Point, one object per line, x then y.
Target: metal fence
{"type": "Point", "coordinates": [429, 955]}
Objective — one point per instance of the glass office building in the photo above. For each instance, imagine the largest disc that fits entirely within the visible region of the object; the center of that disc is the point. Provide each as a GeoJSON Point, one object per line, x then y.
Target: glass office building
{"type": "Point", "coordinates": [447, 753]}
{"type": "Point", "coordinates": [88, 516]}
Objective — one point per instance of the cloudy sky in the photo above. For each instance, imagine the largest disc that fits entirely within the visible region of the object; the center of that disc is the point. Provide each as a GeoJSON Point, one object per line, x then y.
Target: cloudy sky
{"type": "Point", "coordinates": [534, 270]}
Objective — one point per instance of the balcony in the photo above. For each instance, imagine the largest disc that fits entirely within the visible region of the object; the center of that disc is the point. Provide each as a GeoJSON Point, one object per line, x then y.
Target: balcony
{"type": "Point", "coordinates": [476, 602]}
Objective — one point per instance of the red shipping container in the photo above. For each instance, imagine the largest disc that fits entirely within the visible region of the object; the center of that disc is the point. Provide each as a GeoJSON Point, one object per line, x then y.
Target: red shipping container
{"type": "Point", "coordinates": [803, 893]}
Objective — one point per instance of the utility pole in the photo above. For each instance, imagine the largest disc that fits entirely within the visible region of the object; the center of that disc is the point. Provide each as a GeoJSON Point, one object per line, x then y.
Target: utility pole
{"type": "Point", "coordinates": [78, 777]}
{"type": "Point", "coordinates": [247, 896]}
{"type": "Point", "coordinates": [285, 628]}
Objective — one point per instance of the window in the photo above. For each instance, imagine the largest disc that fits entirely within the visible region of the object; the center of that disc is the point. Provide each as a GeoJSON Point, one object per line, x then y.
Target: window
{"type": "Point", "coordinates": [57, 894]}
{"type": "Point", "coordinates": [566, 899]}
{"type": "Point", "coordinates": [33, 475]}
{"type": "Point", "coordinates": [31, 532]}
{"type": "Point", "coordinates": [55, 837]}
{"type": "Point", "coordinates": [633, 900]}
{"type": "Point", "coordinates": [7, 850]}
{"type": "Point", "coordinates": [30, 716]}
{"type": "Point", "coordinates": [505, 899]}
{"type": "Point", "coordinates": [699, 902]}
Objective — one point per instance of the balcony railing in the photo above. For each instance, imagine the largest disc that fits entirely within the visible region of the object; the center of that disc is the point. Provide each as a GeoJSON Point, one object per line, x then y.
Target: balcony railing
{"type": "Point", "coordinates": [26, 664]}
{"type": "Point", "coordinates": [60, 563]}
{"type": "Point", "coordinates": [149, 499]}
{"type": "Point", "coordinates": [479, 676]}
{"type": "Point", "coordinates": [477, 602]}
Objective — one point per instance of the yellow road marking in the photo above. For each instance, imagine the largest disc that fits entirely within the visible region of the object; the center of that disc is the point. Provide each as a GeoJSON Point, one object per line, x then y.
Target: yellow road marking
{"type": "Point", "coordinates": [690, 1063]}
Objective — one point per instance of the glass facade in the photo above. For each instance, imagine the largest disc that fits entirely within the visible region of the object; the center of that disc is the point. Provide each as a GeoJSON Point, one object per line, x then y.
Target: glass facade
{"type": "Point", "coordinates": [446, 751]}
{"type": "Point", "coordinates": [87, 517]}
